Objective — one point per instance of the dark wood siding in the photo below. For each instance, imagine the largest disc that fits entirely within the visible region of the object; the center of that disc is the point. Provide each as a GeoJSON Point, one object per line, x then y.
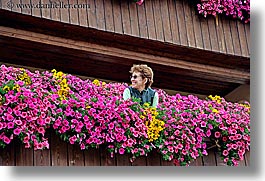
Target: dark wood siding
{"type": "Point", "coordinates": [62, 154]}
{"type": "Point", "coordinates": [170, 21]}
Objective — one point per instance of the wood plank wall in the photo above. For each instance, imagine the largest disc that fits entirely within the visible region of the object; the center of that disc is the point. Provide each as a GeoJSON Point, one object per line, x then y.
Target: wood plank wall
{"type": "Point", "coordinates": [169, 21]}
{"type": "Point", "coordinates": [62, 154]}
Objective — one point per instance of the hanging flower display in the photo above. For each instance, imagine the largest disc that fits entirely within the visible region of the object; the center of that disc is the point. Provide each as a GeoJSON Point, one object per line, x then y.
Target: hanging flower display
{"type": "Point", "coordinates": [92, 113]}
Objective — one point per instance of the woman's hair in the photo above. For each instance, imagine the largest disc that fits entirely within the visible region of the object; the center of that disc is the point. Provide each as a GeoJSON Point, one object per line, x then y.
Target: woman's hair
{"type": "Point", "coordinates": [146, 72]}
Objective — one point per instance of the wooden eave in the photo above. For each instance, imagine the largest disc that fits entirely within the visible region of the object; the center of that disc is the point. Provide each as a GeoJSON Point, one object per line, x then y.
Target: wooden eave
{"type": "Point", "coordinates": [32, 41]}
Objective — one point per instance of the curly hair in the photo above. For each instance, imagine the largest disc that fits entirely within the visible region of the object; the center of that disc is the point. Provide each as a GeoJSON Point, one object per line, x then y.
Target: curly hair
{"type": "Point", "coordinates": [146, 72]}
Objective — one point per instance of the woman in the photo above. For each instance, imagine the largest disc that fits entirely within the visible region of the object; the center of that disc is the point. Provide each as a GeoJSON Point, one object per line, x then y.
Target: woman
{"type": "Point", "coordinates": [142, 79]}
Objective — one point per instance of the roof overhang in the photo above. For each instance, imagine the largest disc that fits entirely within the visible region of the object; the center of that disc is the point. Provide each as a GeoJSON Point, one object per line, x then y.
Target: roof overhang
{"type": "Point", "coordinates": [38, 42]}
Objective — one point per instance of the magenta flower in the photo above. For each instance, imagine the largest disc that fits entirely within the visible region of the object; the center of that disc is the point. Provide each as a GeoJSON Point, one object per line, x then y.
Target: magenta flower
{"type": "Point", "coordinates": [140, 2]}
{"type": "Point", "coordinates": [225, 152]}
{"type": "Point", "coordinates": [217, 134]}
{"type": "Point", "coordinates": [121, 151]}
{"type": "Point", "coordinates": [6, 140]}
{"type": "Point", "coordinates": [17, 131]}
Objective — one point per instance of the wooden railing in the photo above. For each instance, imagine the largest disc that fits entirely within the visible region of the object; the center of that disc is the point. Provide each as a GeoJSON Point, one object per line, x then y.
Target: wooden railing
{"type": "Point", "coordinates": [62, 154]}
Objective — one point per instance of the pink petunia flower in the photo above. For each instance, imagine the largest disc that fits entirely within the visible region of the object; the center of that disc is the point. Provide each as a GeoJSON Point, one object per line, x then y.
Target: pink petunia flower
{"type": "Point", "coordinates": [225, 152]}
{"type": "Point", "coordinates": [17, 131]}
{"type": "Point", "coordinates": [121, 151]}
{"type": "Point", "coordinates": [217, 134]}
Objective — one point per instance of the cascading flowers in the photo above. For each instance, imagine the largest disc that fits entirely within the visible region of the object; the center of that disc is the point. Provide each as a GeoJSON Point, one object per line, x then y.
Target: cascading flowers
{"type": "Point", "coordinates": [93, 113]}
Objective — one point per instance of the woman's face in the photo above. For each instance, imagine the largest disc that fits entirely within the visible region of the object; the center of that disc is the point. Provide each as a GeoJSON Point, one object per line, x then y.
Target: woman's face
{"type": "Point", "coordinates": [137, 81]}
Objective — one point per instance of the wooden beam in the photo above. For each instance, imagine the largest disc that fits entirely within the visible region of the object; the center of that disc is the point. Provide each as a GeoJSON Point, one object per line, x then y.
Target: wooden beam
{"type": "Point", "coordinates": [122, 41]}
{"type": "Point", "coordinates": [119, 55]}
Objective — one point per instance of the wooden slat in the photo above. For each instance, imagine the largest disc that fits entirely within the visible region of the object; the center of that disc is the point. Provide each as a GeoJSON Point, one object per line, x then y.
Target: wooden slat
{"type": "Point", "coordinates": [83, 13]}
{"type": "Point", "coordinates": [109, 15]}
{"type": "Point", "coordinates": [134, 18]}
{"type": "Point", "coordinates": [227, 36]}
{"type": "Point", "coordinates": [220, 35]}
{"type": "Point", "coordinates": [165, 21]}
{"type": "Point", "coordinates": [43, 157]}
{"type": "Point", "coordinates": [56, 13]}
{"type": "Point", "coordinates": [58, 151]}
{"type": "Point", "coordinates": [242, 39]}
{"type": "Point", "coordinates": [117, 16]}
{"type": "Point", "coordinates": [100, 15]}
{"type": "Point", "coordinates": [73, 12]}
{"type": "Point", "coordinates": [197, 30]}
{"type": "Point", "coordinates": [210, 159]}
{"type": "Point", "coordinates": [105, 157]}
{"type": "Point", "coordinates": [65, 18]}
{"type": "Point", "coordinates": [28, 10]}
{"type": "Point", "coordinates": [213, 34]}
{"type": "Point", "coordinates": [92, 157]}
{"type": "Point", "coordinates": [150, 20]}
{"type": "Point", "coordinates": [15, 7]}
{"type": "Point", "coordinates": [247, 30]}
{"type": "Point", "coordinates": [140, 161]}
{"type": "Point", "coordinates": [92, 20]}
{"type": "Point", "coordinates": [166, 163]}
{"type": "Point", "coordinates": [46, 11]}
{"type": "Point", "coordinates": [143, 30]}
{"type": "Point", "coordinates": [235, 37]}
{"type": "Point", "coordinates": [123, 160]}
{"type": "Point", "coordinates": [5, 4]}
{"type": "Point", "coordinates": [36, 11]}
{"type": "Point", "coordinates": [173, 21]}
{"type": "Point", "coordinates": [181, 23]}
{"type": "Point", "coordinates": [242, 163]}
{"type": "Point", "coordinates": [219, 161]}
{"type": "Point", "coordinates": [189, 24]}
{"type": "Point", "coordinates": [197, 162]}
{"type": "Point", "coordinates": [7, 155]}
{"type": "Point", "coordinates": [126, 23]}
{"type": "Point", "coordinates": [24, 156]}
{"type": "Point", "coordinates": [205, 33]}
{"type": "Point", "coordinates": [247, 158]}
{"type": "Point", "coordinates": [158, 20]}
{"type": "Point", "coordinates": [153, 158]}
{"type": "Point", "coordinates": [75, 155]}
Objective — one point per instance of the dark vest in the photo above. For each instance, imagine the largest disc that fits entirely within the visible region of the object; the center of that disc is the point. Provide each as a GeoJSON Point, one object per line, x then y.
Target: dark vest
{"type": "Point", "coordinates": [147, 95]}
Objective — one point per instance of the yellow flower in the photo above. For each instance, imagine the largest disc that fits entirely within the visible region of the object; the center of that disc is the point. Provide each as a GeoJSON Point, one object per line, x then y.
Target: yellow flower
{"type": "Point", "coordinates": [146, 104]}
{"type": "Point", "coordinates": [60, 74]}
{"type": "Point", "coordinates": [88, 107]}
{"type": "Point", "coordinates": [142, 117]}
{"type": "Point", "coordinates": [60, 92]}
{"type": "Point", "coordinates": [215, 98]}
{"type": "Point", "coordinates": [96, 82]}
{"type": "Point", "coordinates": [215, 111]}
{"type": "Point", "coordinates": [17, 88]}
{"type": "Point", "coordinates": [6, 88]}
